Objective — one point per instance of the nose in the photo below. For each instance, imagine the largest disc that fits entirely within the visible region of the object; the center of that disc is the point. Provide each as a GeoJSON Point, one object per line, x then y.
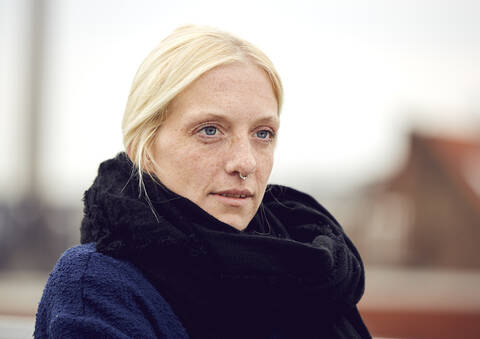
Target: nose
{"type": "Point", "coordinates": [241, 158]}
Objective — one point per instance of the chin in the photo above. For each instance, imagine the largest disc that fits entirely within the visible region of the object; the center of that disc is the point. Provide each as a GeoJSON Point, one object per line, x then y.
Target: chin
{"type": "Point", "coordinates": [235, 221]}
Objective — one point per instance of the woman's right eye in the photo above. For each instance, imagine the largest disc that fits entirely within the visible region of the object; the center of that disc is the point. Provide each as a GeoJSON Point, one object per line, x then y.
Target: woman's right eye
{"type": "Point", "coordinates": [209, 130]}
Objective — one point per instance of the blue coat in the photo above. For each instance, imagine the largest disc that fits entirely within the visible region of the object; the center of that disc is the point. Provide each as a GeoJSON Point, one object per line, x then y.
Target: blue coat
{"type": "Point", "coordinates": [91, 295]}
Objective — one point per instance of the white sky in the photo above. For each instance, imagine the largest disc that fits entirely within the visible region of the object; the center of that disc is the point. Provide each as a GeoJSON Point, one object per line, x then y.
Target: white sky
{"type": "Point", "coordinates": [357, 76]}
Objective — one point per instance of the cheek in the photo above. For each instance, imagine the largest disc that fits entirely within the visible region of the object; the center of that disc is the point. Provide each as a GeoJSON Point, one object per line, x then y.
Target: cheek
{"type": "Point", "coordinates": [200, 165]}
{"type": "Point", "coordinates": [265, 165]}
{"type": "Point", "coordinates": [193, 168]}
{"type": "Point", "coordinates": [171, 159]}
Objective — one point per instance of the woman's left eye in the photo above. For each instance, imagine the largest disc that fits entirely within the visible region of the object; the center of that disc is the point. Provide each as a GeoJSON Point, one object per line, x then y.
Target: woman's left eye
{"type": "Point", "coordinates": [264, 134]}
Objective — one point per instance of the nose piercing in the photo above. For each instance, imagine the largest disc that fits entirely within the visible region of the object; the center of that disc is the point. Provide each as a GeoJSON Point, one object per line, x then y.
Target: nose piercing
{"type": "Point", "coordinates": [243, 177]}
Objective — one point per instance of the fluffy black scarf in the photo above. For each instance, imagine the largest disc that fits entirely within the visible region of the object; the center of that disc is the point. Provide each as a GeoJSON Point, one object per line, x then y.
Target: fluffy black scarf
{"type": "Point", "coordinates": [292, 273]}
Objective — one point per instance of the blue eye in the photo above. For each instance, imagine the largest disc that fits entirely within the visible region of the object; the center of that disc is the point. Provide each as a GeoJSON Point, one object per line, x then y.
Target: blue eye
{"type": "Point", "coordinates": [209, 130]}
{"type": "Point", "coordinates": [264, 134]}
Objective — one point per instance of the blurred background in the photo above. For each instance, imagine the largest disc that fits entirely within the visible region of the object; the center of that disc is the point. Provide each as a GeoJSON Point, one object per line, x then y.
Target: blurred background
{"type": "Point", "coordinates": [381, 124]}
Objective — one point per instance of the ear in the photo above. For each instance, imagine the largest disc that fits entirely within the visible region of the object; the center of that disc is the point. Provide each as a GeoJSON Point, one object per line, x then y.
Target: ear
{"type": "Point", "coordinates": [128, 150]}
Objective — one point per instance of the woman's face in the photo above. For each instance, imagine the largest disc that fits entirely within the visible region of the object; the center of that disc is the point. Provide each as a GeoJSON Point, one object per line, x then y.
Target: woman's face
{"type": "Point", "coordinates": [222, 125]}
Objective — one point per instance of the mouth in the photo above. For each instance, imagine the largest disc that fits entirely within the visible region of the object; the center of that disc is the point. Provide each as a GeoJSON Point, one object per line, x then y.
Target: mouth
{"type": "Point", "coordinates": [233, 197]}
{"type": "Point", "coordinates": [236, 196]}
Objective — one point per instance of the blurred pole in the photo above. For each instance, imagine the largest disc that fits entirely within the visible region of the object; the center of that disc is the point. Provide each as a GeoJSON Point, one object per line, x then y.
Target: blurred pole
{"type": "Point", "coordinates": [30, 237]}
{"type": "Point", "coordinates": [34, 95]}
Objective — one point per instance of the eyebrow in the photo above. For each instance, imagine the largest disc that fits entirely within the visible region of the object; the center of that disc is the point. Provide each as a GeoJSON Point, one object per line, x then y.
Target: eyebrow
{"type": "Point", "coordinates": [224, 117]}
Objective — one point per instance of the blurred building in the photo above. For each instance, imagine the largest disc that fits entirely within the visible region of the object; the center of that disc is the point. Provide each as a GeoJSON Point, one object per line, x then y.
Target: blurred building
{"type": "Point", "coordinates": [428, 213]}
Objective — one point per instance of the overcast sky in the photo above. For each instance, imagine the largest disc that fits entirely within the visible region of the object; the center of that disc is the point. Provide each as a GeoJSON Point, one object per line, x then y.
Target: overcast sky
{"type": "Point", "coordinates": [358, 75]}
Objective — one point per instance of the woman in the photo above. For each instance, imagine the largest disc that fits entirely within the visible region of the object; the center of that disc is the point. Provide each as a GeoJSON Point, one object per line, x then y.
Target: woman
{"type": "Point", "coordinates": [181, 235]}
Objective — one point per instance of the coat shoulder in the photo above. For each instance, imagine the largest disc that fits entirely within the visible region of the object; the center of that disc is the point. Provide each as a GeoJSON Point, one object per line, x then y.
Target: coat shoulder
{"type": "Point", "coordinates": [100, 293]}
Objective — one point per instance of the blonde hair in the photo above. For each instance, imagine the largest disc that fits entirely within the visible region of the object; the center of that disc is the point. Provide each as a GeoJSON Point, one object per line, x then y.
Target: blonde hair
{"type": "Point", "coordinates": [182, 57]}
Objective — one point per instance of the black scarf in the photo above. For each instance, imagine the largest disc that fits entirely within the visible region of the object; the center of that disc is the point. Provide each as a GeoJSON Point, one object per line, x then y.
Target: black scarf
{"type": "Point", "coordinates": [292, 272]}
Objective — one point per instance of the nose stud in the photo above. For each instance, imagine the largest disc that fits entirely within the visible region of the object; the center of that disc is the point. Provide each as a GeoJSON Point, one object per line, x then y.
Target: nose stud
{"type": "Point", "coordinates": [243, 177]}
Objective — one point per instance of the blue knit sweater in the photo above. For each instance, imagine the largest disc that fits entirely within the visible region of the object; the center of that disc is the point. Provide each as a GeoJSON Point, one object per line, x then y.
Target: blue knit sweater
{"type": "Point", "coordinates": [91, 295]}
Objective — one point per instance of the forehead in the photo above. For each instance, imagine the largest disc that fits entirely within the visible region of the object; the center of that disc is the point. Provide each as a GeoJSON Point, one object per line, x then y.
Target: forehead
{"type": "Point", "coordinates": [234, 75]}
{"type": "Point", "coordinates": [238, 89]}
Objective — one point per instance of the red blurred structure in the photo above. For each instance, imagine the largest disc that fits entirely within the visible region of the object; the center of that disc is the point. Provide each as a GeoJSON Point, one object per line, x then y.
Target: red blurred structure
{"type": "Point", "coordinates": [423, 223]}
{"type": "Point", "coordinates": [427, 214]}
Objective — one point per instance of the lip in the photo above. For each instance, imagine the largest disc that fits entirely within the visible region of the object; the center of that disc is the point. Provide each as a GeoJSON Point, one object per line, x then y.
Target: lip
{"type": "Point", "coordinates": [233, 197]}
